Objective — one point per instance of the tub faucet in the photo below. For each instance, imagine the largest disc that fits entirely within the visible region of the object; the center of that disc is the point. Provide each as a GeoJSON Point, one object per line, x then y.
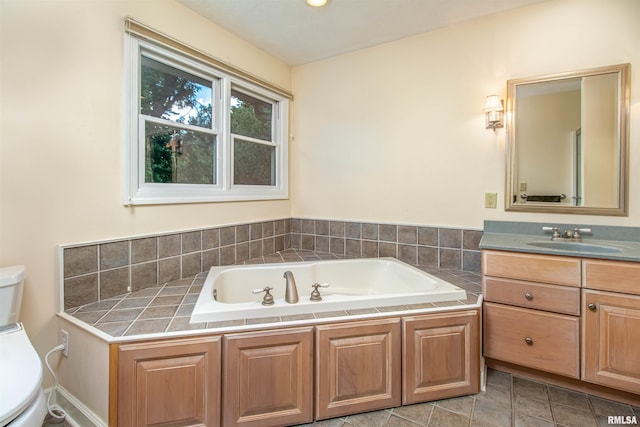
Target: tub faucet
{"type": "Point", "coordinates": [291, 290]}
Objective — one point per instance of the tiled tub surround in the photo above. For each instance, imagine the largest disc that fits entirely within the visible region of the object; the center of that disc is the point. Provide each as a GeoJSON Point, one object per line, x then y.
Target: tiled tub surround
{"type": "Point", "coordinates": [98, 271]}
{"type": "Point", "coordinates": [427, 246]}
{"type": "Point", "coordinates": [167, 308]}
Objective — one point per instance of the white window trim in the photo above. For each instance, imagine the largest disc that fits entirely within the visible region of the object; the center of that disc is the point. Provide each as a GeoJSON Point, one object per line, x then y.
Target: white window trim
{"type": "Point", "coordinates": [138, 192]}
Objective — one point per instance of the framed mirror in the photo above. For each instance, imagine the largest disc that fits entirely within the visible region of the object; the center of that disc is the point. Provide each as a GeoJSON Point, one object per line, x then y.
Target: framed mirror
{"type": "Point", "coordinates": [567, 142]}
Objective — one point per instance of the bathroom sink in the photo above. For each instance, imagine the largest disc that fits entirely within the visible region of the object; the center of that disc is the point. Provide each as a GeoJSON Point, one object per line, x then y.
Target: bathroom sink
{"type": "Point", "coordinates": [577, 247]}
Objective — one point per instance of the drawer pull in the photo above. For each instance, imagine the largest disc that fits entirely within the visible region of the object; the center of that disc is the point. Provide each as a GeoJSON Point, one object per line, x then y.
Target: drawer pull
{"type": "Point", "coordinates": [592, 307]}
{"type": "Point", "coordinates": [528, 296]}
{"type": "Point", "coordinates": [528, 340]}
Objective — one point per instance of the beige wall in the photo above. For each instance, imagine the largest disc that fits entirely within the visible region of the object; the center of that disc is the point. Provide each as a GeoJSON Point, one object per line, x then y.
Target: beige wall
{"type": "Point", "coordinates": [61, 128]}
{"type": "Point", "coordinates": [396, 132]}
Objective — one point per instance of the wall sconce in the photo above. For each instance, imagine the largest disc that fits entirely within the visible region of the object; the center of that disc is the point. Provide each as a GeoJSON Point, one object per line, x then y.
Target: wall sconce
{"type": "Point", "coordinates": [494, 110]}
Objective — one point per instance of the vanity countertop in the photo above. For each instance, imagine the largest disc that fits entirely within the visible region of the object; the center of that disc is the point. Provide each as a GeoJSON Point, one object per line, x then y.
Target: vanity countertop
{"type": "Point", "coordinates": [604, 242]}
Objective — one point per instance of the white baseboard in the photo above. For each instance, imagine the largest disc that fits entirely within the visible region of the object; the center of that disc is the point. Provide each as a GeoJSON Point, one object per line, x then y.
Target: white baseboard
{"type": "Point", "coordinates": [78, 415]}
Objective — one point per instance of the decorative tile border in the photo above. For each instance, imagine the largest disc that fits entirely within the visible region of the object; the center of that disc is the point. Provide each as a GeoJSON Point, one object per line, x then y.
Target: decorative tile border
{"type": "Point", "coordinates": [97, 271]}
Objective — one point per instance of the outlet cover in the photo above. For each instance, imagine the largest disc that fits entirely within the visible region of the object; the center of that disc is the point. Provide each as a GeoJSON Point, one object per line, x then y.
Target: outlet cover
{"type": "Point", "coordinates": [490, 200]}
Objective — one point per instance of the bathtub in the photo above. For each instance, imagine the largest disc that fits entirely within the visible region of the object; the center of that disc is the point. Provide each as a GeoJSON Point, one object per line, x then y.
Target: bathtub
{"type": "Point", "coordinates": [353, 284]}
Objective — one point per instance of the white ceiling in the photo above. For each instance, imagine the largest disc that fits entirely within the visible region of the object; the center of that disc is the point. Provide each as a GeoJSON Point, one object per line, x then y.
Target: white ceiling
{"type": "Point", "coordinates": [297, 34]}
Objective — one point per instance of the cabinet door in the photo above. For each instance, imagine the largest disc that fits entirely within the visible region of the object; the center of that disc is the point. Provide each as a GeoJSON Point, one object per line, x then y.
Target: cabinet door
{"type": "Point", "coordinates": [357, 367]}
{"type": "Point", "coordinates": [442, 356]}
{"type": "Point", "coordinates": [169, 383]}
{"type": "Point", "coordinates": [268, 378]}
{"type": "Point", "coordinates": [611, 337]}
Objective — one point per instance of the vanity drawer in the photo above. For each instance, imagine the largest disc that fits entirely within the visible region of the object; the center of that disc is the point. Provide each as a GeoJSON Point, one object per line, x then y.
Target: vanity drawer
{"type": "Point", "coordinates": [536, 268]}
{"type": "Point", "coordinates": [560, 299]}
{"type": "Point", "coordinates": [540, 340]}
{"type": "Point", "coordinates": [616, 276]}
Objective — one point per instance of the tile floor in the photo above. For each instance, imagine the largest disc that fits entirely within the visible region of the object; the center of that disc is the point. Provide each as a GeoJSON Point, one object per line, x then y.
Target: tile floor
{"type": "Point", "coordinates": [508, 401]}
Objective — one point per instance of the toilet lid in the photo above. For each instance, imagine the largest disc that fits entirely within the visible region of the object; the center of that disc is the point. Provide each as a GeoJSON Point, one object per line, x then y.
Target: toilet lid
{"type": "Point", "coordinates": [20, 372]}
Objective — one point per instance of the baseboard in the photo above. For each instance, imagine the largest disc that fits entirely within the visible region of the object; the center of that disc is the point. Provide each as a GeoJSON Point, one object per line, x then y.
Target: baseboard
{"type": "Point", "coordinates": [78, 415]}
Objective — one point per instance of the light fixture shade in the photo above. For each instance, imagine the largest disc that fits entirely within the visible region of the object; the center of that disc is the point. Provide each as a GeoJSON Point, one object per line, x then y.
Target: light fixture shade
{"type": "Point", "coordinates": [493, 103]}
{"type": "Point", "coordinates": [316, 3]}
{"type": "Point", "coordinates": [493, 110]}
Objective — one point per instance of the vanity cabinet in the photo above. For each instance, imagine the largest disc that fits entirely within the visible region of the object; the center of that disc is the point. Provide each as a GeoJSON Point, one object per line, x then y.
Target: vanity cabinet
{"type": "Point", "coordinates": [167, 383]}
{"type": "Point", "coordinates": [441, 356]}
{"type": "Point", "coordinates": [531, 311]}
{"type": "Point", "coordinates": [574, 317]}
{"type": "Point", "coordinates": [267, 378]}
{"type": "Point", "coordinates": [611, 308]}
{"type": "Point", "coordinates": [358, 367]}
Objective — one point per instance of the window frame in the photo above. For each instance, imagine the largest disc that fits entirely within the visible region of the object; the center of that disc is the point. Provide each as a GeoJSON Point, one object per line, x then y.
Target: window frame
{"type": "Point", "coordinates": [138, 192]}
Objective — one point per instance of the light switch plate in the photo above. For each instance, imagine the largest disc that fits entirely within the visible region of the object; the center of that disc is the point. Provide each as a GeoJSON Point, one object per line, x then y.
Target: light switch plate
{"type": "Point", "coordinates": [490, 200]}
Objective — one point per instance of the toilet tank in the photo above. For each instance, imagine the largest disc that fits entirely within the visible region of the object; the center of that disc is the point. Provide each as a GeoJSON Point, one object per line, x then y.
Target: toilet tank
{"type": "Point", "coordinates": [11, 282]}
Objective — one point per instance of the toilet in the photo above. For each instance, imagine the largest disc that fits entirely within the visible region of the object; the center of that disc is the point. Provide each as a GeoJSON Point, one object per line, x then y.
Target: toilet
{"type": "Point", "coordinates": [22, 400]}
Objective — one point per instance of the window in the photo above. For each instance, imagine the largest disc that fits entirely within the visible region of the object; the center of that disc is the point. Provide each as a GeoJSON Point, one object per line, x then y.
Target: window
{"type": "Point", "coordinates": [197, 133]}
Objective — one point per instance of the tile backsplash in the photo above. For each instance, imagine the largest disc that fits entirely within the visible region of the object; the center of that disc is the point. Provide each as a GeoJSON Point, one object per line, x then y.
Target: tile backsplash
{"type": "Point", "coordinates": [96, 271]}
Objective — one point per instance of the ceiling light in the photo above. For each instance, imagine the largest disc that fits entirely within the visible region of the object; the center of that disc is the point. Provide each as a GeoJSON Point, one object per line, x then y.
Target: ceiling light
{"type": "Point", "coordinates": [316, 3]}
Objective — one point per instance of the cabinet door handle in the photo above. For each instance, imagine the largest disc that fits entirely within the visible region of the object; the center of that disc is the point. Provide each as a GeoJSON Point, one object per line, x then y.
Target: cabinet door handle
{"type": "Point", "coordinates": [528, 296]}
{"type": "Point", "coordinates": [528, 340]}
{"type": "Point", "coordinates": [592, 307]}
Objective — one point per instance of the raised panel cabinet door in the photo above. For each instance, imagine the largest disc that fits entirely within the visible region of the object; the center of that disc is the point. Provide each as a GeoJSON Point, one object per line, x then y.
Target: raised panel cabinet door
{"type": "Point", "coordinates": [441, 356]}
{"type": "Point", "coordinates": [611, 339]}
{"type": "Point", "coordinates": [268, 378]}
{"type": "Point", "coordinates": [358, 367]}
{"type": "Point", "coordinates": [169, 383]}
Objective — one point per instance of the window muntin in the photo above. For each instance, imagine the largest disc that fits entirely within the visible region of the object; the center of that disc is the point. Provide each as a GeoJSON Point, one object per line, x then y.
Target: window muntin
{"type": "Point", "coordinates": [181, 147]}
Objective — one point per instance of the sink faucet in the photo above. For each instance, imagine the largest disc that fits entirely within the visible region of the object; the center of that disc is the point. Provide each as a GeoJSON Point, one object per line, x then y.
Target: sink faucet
{"type": "Point", "coordinates": [574, 235]}
{"type": "Point", "coordinates": [291, 290]}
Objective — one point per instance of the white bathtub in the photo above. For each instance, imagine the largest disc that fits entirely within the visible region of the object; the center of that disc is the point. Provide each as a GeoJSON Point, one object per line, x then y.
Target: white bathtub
{"type": "Point", "coordinates": [353, 284]}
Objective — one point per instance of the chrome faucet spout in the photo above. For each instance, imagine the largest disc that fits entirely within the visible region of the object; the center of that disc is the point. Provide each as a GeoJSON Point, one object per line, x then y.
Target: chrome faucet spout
{"type": "Point", "coordinates": [291, 290]}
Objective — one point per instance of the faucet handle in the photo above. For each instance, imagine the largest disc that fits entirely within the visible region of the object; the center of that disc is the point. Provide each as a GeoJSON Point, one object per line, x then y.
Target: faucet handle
{"type": "Point", "coordinates": [556, 231]}
{"type": "Point", "coordinates": [577, 232]}
{"type": "Point", "coordinates": [315, 294]}
{"type": "Point", "coordinates": [268, 298]}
